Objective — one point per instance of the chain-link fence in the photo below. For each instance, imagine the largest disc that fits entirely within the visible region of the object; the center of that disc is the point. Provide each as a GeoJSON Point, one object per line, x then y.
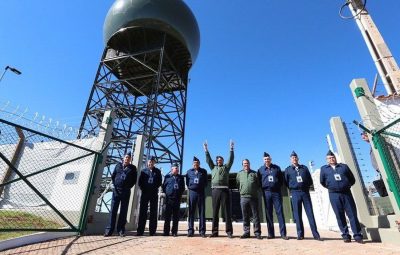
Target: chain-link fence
{"type": "Point", "coordinates": [44, 181]}
{"type": "Point", "coordinates": [372, 183]}
{"type": "Point", "coordinates": [387, 142]}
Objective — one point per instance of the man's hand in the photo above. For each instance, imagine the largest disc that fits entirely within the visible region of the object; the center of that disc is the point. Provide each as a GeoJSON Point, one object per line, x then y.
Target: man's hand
{"type": "Point", "coordinates": [205, 146]}
{"type": "Point", "coordinates": [232, 144]}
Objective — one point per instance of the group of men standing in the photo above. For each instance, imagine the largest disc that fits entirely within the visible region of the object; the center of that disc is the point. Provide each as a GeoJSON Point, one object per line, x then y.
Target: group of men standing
{"type": "Point", "coordinates": [269, 178]}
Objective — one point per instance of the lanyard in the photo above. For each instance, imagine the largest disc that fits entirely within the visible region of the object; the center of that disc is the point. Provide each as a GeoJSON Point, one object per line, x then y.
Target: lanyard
{"type": "Point", "coordinates": [268, 169]}
{"type": "Point", "coordinates": [297, 170]}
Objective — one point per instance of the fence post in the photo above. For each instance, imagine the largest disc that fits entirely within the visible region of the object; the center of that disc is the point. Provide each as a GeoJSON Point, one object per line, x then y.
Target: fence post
{"type": "Point", "coordinates": [371, 119]}
{"type": "Point", "coordinates": [133, 208]}
{"type": "Point", "coordinates": [15, 157]}
{"type": "Point", "coordinates": [379, 142]}
{"type": "Point", "coordinates": [96, 220]}
{"type": "Point", "coordinates": [346, 155]}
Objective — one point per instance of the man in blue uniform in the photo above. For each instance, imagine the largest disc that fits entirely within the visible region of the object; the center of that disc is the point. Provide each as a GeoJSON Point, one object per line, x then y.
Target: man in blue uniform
{"type": "Point", "coordinates": [271, 179]}
{"type": "Point", "coordinates": [221, 196]}
{"type": "Point", "coordinates": [149, 181]}
{"type": "Point", "coordinates": [173, 187]}
{"type": "Point", "coordinates": [299, 181]}
{"type": "Point", "coordinates": [196, 181]}
{"type": "Point", "coordinates": [124, 178]}
{"type": "Point", "coordinates": [338, 179]}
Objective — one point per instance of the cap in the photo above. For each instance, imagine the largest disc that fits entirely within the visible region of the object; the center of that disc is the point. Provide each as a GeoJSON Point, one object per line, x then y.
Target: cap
{"type": "Point", "coordinates": [330, 153]}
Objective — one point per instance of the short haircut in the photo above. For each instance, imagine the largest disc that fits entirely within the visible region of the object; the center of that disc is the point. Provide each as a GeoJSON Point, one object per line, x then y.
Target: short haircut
{"type": "Point", "coordinates": [248, 161]}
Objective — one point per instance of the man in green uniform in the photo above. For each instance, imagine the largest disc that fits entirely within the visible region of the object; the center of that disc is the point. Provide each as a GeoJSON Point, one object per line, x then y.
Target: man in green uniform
{"type": "Point", "coordinates": [220, 190]}
{"type": "Point", "coordinates": [249, 186]}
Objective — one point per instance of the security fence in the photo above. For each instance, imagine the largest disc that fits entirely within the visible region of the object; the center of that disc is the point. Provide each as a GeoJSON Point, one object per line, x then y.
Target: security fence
{"type": "Point", "coordinates": [364, 163]}
{"type": "Point", "coordinates": [387, 141]}
{"type": "Point", "coordinates": [45, 182]}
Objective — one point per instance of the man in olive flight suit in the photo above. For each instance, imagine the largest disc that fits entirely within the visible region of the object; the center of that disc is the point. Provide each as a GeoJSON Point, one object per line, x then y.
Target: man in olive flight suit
{"type": "Point", "coordinates": [249, 187]}
{"type": "Point", "coordinates": [220, 190]}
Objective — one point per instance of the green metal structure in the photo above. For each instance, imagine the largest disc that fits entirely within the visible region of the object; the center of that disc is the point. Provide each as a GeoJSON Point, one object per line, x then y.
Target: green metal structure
{"type": "Point", "coordinates": [173, 17]}
{"type": "Point", "coordinates": [387, 141]}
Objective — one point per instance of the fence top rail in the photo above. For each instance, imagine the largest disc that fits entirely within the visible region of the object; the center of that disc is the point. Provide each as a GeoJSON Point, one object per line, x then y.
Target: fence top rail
{"type": "Point", "coordinates": [379, 131]}
{"type": "Point", "coordinates": [47, 136]}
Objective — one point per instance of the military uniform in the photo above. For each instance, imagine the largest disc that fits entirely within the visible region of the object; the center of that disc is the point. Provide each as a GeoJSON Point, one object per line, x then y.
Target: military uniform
{"type": "Point", "coordinates": [299, 181]}
{"type": "Point", "coordinates": [221, 193]}
{"type": "Point", "coordinates": [149, 182]}
{"type": "Point", "coordinates": [173, 187]}
{"type": "Point", "coordinates": [196, 181]}
{"type": "Point", "coordinates": [338, 179]}
{"type": "Point", "coordinates": [249, 186]}
{"type": "Point", "coordinates": [271, 179]}
{"type": "Point", "coordinates": [123, 178]}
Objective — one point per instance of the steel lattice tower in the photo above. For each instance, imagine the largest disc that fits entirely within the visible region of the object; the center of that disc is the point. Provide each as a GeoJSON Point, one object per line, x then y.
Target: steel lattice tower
{"type": "Point", "coordinates": [143, 77]}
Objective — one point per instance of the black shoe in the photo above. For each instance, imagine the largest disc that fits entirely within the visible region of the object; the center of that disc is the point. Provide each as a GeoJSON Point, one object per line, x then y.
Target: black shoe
{"type": "Point", "coordinates": [139, 234]}
{"type": "Point", "coordinates": [166, 234]}
{"type": "Point", "coordinates": [244, 236]}
{"type": "Point", "coordinates": [360, 241]}
{"type": "Point", "coordinates": [107, 234]}
{"type": "Point", "coordinates": [230, 236]}
{"type": "Point", "coordinates": [215, 234]}
{"type": "Point", "coordinates": [285, 237]}
{"type": "Point", "coordinates": [190, 235]}
{"type": "Point", "coordinates": [259, 237]}
{"type": "Point", "coordinates": [174, 234]}
{"type": "Point", "coordinates": [270, 237]}
{"type": "Point", "coordinates": [318, 239]}
{"type": "Point", "coordinates": [152, 234]}
{"type": "Point", "coordinates": [203, 235]}
{"type": "Point", "coordinates": [300, 238]}
{"type": "Point", "coordinates": [346, 240]}
{"type": "Point", "coordinates": [121, 234]}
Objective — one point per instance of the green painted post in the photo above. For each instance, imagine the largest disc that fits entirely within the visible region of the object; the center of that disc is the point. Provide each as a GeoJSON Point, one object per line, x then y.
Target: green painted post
{"type": "Point", "coordinates": [388, 166]}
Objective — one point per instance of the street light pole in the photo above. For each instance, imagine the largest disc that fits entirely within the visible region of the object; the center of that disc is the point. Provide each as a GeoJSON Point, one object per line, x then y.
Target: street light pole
{"type": "Point", "coordinates": [12, 69]}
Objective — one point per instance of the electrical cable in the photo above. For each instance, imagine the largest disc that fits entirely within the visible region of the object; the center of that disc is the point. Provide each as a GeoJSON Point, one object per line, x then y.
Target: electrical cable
{"type": "Point", "coordinates": [348, 2]}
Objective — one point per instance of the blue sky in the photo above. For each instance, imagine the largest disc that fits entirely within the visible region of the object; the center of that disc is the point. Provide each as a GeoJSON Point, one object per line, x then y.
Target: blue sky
{"type": "Point", "coordinates": [269, 75]}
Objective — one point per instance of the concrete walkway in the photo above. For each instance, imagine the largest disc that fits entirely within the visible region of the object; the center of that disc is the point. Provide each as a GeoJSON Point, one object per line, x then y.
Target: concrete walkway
{"type": "Point", "coordinates": [196, 245]}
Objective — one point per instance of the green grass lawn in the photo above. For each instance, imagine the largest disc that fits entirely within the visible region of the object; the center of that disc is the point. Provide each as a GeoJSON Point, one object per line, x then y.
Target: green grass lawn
{"type": "Point", "coordinates": [17, 220]}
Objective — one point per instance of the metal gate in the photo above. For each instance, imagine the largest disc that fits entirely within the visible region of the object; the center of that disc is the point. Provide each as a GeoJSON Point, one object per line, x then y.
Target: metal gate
{"type": "Point", "coordinates": [387, 141]}
{"type": "Point", "coordinates": [45, 182]}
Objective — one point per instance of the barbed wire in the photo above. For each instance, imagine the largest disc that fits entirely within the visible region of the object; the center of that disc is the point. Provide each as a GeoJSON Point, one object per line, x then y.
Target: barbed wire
{"type": "Point", "coordinates": [38, 122]}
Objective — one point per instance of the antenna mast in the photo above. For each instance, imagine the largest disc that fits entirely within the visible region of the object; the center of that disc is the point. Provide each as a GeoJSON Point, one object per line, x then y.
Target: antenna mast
{"type": "Point", "coordinates": [384, 61]}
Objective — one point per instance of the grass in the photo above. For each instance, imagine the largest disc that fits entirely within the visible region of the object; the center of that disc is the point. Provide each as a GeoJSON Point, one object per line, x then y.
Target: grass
{"type": "Point", "coordinates": [17, 220]}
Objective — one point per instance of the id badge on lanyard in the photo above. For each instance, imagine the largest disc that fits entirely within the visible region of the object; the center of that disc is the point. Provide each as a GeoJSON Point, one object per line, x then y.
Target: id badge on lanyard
{"type": "Point", "coordinates": [123, 176]}
{"type": "Point", "coordinates": [196, 180]}
{"type": "Point", "coordinates": [299, 179]}
{"type": "Point", "coordinates": [150, 181]}
{"type": "Point", "coordinates": [270, 178]}
{"type": "Point", "coordinates": [176, 186]}
{"type": "Point", "coordinates": [337, 177]}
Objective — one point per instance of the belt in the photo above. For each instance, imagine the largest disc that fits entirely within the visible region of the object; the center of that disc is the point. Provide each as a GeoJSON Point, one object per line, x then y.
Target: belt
{"type": "Point", "coordinates": [220, 187]}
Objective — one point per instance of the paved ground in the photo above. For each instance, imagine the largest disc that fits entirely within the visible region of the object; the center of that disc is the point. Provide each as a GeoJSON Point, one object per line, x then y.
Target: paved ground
{"type": "Point", "coordinates": [196, 245]}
